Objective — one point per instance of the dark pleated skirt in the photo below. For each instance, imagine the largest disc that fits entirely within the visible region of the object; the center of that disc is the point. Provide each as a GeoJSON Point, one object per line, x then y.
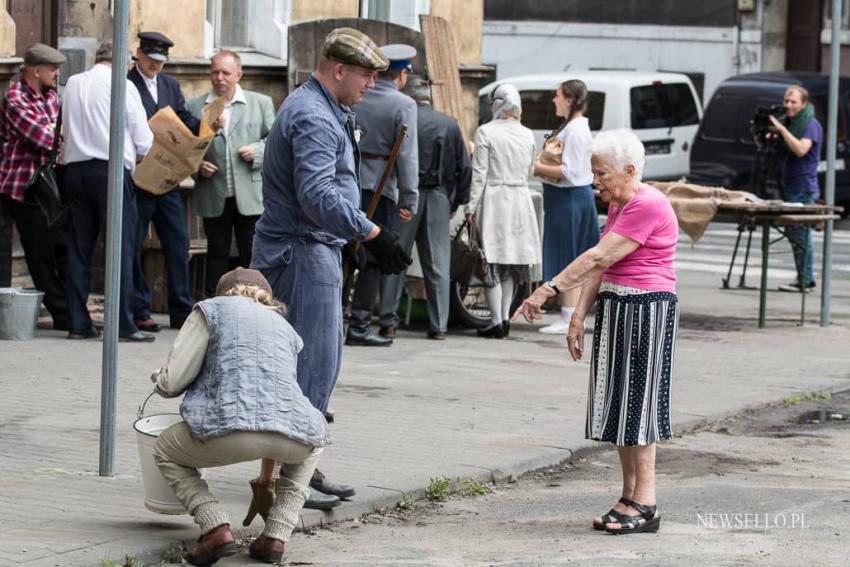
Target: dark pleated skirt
{"type": "Point", "coordinates": [570, 226]}
{"type": "Point", "coordinates": [634, 341]}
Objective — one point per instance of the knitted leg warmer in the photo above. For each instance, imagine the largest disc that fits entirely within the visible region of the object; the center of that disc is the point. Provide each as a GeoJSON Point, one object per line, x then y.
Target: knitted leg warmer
{"type": "Point", "coordinates": [208, 514]}
{"type": "Point", "coordinates": [283, 516]}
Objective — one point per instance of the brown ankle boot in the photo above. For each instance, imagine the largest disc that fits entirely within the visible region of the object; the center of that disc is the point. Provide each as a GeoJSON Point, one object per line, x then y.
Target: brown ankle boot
{"type": "Point", "coordinates": [266, 549]}
{"type": "Point", "coordinates": [262, 499]}
{"type": "Point", "coordinates": [212, 546]}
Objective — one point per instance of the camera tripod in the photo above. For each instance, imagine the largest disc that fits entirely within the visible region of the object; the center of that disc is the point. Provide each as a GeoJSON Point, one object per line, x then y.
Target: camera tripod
{"type": "Point", "coordinates": [767, 168]}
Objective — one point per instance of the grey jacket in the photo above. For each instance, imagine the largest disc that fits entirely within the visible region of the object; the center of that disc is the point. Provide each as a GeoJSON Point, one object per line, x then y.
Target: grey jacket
{"type": "Point", "coordinates": [379, 117]}
{"type": "Point", "coordinates": [248, 379]}
{"type": "Point", "coordinates": [250, 124]}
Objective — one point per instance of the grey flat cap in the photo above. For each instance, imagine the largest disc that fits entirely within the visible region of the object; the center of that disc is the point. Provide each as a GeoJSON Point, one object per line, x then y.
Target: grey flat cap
{"type": "Point", "coordinates": [40, 54]}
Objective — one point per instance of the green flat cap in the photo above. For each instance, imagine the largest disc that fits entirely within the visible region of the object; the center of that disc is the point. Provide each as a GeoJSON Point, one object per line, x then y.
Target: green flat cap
{"type": "Point", "coordinates": [40, 54]}
{"type": "Point", "coordinates": [354, 47]}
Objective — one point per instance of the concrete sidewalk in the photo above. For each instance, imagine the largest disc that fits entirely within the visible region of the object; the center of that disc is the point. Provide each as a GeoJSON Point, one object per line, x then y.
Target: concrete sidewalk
{"type": "Point", "coordinates": [467, 407]}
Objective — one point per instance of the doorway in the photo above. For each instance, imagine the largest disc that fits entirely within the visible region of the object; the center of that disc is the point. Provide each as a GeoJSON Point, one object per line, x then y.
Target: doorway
{"type": "Point", "coordinates": [36, 21]}
{"type": "Point", "coordinates": [802, 48]}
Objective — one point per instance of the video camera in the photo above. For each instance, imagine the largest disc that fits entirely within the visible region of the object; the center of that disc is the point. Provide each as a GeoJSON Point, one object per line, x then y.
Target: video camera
{"type": "Point", "coordinates": [761, 126]}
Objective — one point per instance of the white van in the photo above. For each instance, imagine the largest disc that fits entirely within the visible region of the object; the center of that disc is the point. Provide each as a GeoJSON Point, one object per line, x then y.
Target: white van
{"type": "Point", "coordinates": [661, 108]}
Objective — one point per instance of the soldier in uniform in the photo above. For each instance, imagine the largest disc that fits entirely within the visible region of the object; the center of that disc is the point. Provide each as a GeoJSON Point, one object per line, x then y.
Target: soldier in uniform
{"type": "Point", "coordinates": [311, 197]}
{"type": "Point", "coordinates": [380, 116]}
{"type": "Point", "coordinates": [159, 90]}
{"type": "Point", "coordinates": [445, 175]}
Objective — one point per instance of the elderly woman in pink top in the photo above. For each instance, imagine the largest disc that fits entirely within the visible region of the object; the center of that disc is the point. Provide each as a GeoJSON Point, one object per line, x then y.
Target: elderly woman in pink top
{"type": "Point", "coordinates": [631, 278]}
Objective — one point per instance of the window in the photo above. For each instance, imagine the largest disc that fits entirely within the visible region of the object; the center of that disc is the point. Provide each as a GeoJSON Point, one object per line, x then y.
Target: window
{"type": "Point", "coordinates": [538, 112]}
{"type": "Point", "coordinates": [248, 25]}
{"type": "Point", "coordinates": [821, 106]}
{"type": "Point", "coordinates": [721, 121]}
{"type": "Point", "coordinates": [663, 106]}
{"type": "Point", "coordinates": [401, 12]}
{"type": "Point", "coordinates": [229, 21]}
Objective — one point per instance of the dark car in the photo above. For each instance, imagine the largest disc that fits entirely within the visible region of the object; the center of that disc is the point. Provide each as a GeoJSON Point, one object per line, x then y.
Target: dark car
{"type": "Point", "coordinates": [724, 151]}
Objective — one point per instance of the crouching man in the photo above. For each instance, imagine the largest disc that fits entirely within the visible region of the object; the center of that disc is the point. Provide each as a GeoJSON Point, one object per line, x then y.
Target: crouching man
{"type": "Point", "coordinates": [235, 358]}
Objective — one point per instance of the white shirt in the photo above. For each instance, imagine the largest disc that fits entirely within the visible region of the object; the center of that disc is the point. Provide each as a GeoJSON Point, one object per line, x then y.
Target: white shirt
{"type": "Point", "coordinates": [238, 96]}
{"type": "Point", "coordinates": [575, 164]}
{"type": "Point", "coordinates": [151, 85]}
{"type": "Point", "coordinates": [85, 111]}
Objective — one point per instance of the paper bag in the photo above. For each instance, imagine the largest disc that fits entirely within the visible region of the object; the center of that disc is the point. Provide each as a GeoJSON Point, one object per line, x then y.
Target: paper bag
{"type": "Point", "coordinates": [176, 152]}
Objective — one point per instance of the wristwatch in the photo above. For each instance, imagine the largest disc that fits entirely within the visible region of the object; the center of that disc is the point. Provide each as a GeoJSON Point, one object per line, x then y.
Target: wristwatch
{"type": "Point", "coordinates": [551, 284]}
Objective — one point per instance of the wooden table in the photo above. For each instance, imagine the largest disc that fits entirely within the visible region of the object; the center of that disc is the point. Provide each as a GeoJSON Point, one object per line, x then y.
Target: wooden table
{"type": "Point", "coordinates": [771, 215]}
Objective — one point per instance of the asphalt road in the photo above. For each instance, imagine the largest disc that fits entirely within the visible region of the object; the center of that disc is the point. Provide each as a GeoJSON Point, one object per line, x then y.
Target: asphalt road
{"type": "Point", "coordinates": [756, 489]}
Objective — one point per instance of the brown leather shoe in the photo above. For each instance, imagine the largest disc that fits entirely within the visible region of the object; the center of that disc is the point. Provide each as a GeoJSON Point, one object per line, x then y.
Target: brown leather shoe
{"type": "Point", "coordinates": [266, 549]}
{"type": "Point", "coordinates": [212, 546]}
{"type": "Point", "coordinates": [387, 332]}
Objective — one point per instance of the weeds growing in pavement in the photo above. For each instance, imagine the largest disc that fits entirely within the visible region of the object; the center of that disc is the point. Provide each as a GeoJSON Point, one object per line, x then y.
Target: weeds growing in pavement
{"type": "Point", "coordinates": [129, 561]}
{"type": "Point", "coordinates": [438, 489]}
{"type": "Point", "coordinates": [474, 488]}
{"type": "Point", "coordinates": [173, 555]}
{"type": "Point", "coordinates": [807, 397]}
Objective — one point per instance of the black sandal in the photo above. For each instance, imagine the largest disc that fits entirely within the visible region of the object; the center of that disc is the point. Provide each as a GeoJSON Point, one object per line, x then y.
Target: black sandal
{"type": "Point", "coordinates": [612, 517]}
{"type": "Point", "coordinates": [646, 521]}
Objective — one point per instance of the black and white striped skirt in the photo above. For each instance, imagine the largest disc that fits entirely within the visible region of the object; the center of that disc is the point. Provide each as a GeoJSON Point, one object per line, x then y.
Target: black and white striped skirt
{"type": "Point", "coordinates": [634, 340]}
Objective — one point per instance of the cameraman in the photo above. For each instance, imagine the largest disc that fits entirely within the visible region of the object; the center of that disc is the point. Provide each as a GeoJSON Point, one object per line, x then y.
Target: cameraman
{"type": "Point", "coordinates": [803, 136]}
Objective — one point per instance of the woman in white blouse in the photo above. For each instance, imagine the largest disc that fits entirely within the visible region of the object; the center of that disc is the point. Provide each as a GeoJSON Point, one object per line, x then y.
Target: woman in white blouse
{"type": "Point", "coordinates": [570, 224]}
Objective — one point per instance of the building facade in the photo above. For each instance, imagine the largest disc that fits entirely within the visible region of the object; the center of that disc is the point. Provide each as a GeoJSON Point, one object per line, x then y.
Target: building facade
{"type": "Point", "coordinates": [257, 29]}
{"type": "Point", "coordinates": [709, 40]}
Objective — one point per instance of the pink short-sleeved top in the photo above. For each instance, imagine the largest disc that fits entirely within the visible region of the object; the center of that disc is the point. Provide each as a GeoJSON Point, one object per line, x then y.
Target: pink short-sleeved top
{"type": "Point", "coordinates": [648, 219]}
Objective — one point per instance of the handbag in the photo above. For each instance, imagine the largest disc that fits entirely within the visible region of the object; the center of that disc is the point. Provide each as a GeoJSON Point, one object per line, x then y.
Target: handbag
{"type": "Point", "coordinates": [467, 256]}
{"type": "Point", "coordinates": [553, 151]}
{"type": "Point", "coordinates": [44, 188]}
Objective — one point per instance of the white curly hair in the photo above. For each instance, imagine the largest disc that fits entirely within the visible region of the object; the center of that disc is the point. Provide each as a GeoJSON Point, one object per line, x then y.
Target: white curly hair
{"type": "Point", "coordinates": [620, 148]}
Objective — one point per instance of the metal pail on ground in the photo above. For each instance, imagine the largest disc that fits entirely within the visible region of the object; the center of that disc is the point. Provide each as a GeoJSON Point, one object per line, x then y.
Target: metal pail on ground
{"type": "Point", "coordinates": [159, 497]}
{"type": "Point", "coordinates": [19, 313]}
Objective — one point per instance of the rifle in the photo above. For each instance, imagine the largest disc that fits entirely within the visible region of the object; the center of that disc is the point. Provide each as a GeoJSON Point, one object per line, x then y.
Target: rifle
{"type": "Point", "coordinates": [379, 189]}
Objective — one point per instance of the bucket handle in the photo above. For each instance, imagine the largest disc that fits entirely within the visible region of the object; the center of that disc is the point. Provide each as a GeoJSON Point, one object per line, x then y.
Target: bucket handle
{"type": "Point", "coordinates": [141, 412]}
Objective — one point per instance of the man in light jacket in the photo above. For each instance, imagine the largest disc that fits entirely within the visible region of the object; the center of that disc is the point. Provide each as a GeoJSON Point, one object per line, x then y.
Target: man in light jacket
{"type": "Point", "coordinates": [229, 183]}
{"type": "Point", "coordinates": [238, 408]}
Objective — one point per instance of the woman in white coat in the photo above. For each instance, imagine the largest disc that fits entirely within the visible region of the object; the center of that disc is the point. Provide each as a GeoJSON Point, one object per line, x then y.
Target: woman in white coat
{"type": "Point", "coordinates": [501, 203]}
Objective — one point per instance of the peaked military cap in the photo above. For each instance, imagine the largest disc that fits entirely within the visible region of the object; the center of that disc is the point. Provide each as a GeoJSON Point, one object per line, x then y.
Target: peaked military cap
{"type": "Point", "coordinates": [351, 46]}
{"type": "Point", "coordinates": [400, 55]}
{"type": "Point", "coordinates": [155, 45]}
{"type": "Point", "coordinates": [40, 54]}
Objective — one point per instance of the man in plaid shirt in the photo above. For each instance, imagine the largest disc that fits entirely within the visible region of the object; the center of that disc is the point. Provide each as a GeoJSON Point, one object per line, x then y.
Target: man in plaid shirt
{"type": "Point", "coordinates": [28, 114]}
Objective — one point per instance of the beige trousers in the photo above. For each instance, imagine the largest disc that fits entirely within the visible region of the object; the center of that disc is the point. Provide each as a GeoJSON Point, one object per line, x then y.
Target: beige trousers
{"type": "Point", "coordinates": [179, 455]}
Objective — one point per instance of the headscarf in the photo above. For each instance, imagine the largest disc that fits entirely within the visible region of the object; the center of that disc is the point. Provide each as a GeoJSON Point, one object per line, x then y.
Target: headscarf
{"type": "Point", "coordinates": [506, 102]}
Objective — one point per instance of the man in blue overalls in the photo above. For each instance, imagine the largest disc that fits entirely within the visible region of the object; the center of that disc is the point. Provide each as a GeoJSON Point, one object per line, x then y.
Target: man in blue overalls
{"type": "Point", "coordinates": [159, 90]}
{"type": "Point", "coordinates": [311, 195]}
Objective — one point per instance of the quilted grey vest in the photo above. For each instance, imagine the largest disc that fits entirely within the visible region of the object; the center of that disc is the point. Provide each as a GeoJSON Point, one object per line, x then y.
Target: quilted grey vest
{"type": "Point", "coordinates": [248, 380]}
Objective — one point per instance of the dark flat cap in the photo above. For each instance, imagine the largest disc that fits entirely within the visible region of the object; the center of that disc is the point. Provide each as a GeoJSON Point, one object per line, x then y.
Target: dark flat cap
{"type": "Point", "coordinates": [242, 276]}
{"type": "Point", "coordinates": [155, 45]}
{"type": "Point", "coordinates": [40, 54]}
{"type": "Point", "coordinates": [354, 47]}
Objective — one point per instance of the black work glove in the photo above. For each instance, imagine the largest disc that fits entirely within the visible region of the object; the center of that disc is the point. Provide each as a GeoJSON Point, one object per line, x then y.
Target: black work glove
{"type": "Point", "coordinates": [391, 257]}
{"type": "Point", "coordinates": [353, 256]}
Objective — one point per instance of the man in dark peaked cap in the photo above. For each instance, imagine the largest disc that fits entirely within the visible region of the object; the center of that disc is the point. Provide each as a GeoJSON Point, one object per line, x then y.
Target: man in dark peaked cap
{"type": "Point", "coordinates": [380, 116]}
{"type": "Point", "coordinates": [159, 90]}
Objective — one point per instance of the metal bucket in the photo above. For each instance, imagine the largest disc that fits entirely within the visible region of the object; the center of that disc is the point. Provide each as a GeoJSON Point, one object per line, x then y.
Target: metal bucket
{"type": "Point", "coordinates": [159, 497]}
{"type": "Point", "coordinates": [19, 313]}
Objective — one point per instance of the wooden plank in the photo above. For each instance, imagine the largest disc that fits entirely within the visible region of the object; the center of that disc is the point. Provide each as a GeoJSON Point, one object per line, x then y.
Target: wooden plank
{"type": "Point", "coordinates": [442, 63]}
